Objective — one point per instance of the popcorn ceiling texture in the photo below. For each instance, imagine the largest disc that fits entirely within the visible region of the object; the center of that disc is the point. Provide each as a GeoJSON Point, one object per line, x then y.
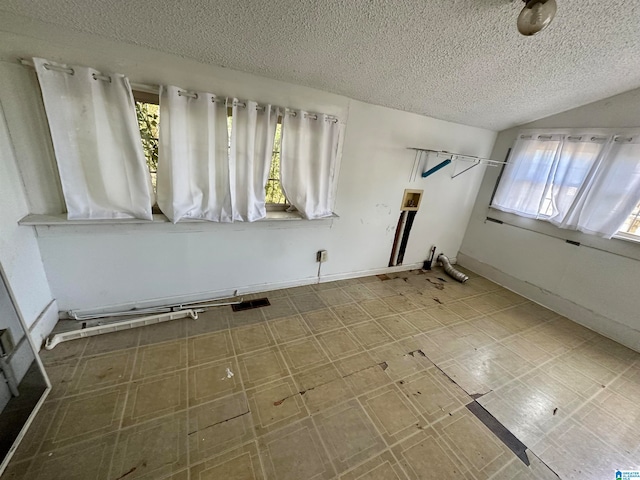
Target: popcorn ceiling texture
{"type": "Point", "coordinates": [457, 60]}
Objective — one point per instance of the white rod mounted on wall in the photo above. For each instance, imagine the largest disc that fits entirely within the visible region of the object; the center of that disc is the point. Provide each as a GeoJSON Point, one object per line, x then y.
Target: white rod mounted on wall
{"type": "Point", "coordinates": [449, 158]}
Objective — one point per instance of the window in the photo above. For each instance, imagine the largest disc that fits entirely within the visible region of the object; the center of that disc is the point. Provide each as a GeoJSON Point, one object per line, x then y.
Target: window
{"type": "Point", "coordinates": [632, 225]}
{"type": "Point", "coordinates": [274, 193]}
{"type": "Point", "coordinates": [580, 182]}
{"type": "Point", "coordinates": [148, 113]}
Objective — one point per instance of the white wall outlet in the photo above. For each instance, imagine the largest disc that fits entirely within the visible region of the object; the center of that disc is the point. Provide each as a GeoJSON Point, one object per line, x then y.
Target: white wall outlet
{"type": "Point", "coordinates": [322, 256]}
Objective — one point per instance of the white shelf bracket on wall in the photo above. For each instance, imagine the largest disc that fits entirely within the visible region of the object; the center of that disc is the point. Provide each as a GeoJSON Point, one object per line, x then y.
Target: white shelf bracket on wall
{"type": "Point", "coordinates": [460, 162]}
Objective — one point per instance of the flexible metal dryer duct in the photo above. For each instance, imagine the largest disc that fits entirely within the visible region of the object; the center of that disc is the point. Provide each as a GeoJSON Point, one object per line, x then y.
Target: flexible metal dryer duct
{"type": "Point", "coordinates": [452, 272]}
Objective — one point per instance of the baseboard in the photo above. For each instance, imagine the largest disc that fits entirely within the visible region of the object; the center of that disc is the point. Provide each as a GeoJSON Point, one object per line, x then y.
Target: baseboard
{"type": "Point", "coordinates": [608, 327]}
{"type": "Point", "coordinates": [44, 324]}
{"type": "Point", "coordinates": [366, 273]}
{"type": "Point", "coordinates": [230, 292]}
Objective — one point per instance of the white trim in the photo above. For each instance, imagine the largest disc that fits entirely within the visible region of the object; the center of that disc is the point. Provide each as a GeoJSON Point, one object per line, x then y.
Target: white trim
{"type": "Point", "coordinates": [44, 324]}
{"type": "Point", "coordinates": [240, 291]}
{"type": "Point", "coordinates": [608, 327]}
{"type": "Point", "coordinates": [617, 245]}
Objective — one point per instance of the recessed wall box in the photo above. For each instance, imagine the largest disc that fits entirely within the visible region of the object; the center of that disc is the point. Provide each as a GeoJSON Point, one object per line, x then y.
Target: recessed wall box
{"type": "Point", "coordinates": [411, 200]}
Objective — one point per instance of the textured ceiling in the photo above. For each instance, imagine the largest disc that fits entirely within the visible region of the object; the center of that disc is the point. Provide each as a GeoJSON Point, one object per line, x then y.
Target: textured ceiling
{"type": "Point", "coordinates": [457, 60]}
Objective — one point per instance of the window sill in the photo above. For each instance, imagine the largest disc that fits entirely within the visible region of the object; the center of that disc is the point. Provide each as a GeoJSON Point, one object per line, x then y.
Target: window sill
{"type": "Point", "coordinates": [158, 218]}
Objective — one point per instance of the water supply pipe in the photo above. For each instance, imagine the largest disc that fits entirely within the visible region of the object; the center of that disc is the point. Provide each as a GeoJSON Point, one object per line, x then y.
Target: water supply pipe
{"type": "Point", "coordinates": [452, 272]}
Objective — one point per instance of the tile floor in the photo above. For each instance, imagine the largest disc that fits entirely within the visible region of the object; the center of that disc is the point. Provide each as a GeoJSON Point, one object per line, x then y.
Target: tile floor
{"type": "Point", "coordinates": [357, 379]}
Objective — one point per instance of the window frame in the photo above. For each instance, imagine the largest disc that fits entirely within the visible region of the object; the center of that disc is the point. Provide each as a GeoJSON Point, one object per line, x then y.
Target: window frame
{"type": "Point", "coordinates": [144, 96]}
{"type": "Point", "coordinates": [542, 219]}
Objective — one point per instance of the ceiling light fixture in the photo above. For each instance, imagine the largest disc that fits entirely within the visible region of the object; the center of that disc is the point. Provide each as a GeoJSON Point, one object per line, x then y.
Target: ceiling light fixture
{"type": "Point", "coordinates": [536, 16]}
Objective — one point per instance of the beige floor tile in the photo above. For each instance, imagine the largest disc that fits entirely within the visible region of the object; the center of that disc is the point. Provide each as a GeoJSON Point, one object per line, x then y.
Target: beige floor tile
{"type": "Point", "coordinates": [463, 310]}
{"type": "Point", "coordinates": [326, 395]}
{"type": "Point", "coordinates": [295, 452]}
{"type": "Point", "coordinates": [476, 374]}
{"type": "Point", "coordinates": [491, 327]}
{"type": "Point", "coordinates": [166, 331]}
{"type": "Point", "coordinates": [382, 289]}
{"type": "Point", "coordinates": [322, 320]}
{"type": "Point", "coordinates": [37, 432]}
{"type": "Point", "coordinates": [351, 314]}
{"type": "Point", "coordinates": [303, 354]}
{"type": "Point", "coordinates": [400, 303]}
{"type": "Point", "coordinates": [397, 327]}
{"type": "Point", "coordinates": [302, 289]}
{"type": "Point", "coordinates": [359, 292]}
{"type": "Point", "coordinates": [381, 467]}
{"type": "Point", "coordinates": [89, 459]}
{"type": "Point", "coordinates": [625, 410]}
{"type": "Point", "coordinates": [622, 436]}
{"type": "Point", "coordinates": [85, 416]}
{"type": "Point", "coordinates": [444, 315]}
{"type": "Point", "coordinates": [362, 373]}
{"type": "Point", "coordinates": [102, 371]}
{"type": "Point", "coordinates": [250, 338]}
{"type": "Point", "coordinates": [112, 341]}
{"type": "Point", "coordinates": [425, 298]}
{"type": "Point", "coordinates": [18, 470]}
{"type": "Point", "coordinates": [308, 302]}
{"type": "Point", "coordinates": [370, 334]}
{"type": "Point", "coordinates": [279, 308]}
{"type": "Point", "coordinates": [207, 348]}
{"type": "Point", "coordinates": [335, 297]}
{"type": "Point", "coordinates": [211, 321]}
{"type": "Point", "coordinates": [213, 380]}
{"type": "Point", "coordinates": [162, 358]}
{"type": "Point", "coordinates": [339, 343]}
{"type": "Point", "coordinates": [392, 413]}
{"type": "Point", "coordinates": [471, 335]}
{"type": "Point", "coordinates": [425, 456]}
{"type": "Point", "coordinates": [538, 338]}
{"type": "Point", "coordinates": [488, 303]}
{"type": "Point", "coordinates": [261, 367]}
{"type": "Point", "coordinates": [377, 308]}
{"type": "Point", "coordinates": [628, 385]}
{"type": "Point", "coordinates": [275, 405]}
{"type": "Point", "coordinates": [444, 344]}
{"type": "Point", "coordinates": [422, 320]}
{"type": "Point", "coordinates": [153, 397]}
{"type": "Point", "coordinates": [398, 361]}
{"type": "Point", "coordinates": [572, 378]}
{"type": "Point", "coordinates": [527, 350]}
{"type": "Point", "coordinates": [587, 366]}
{"type": "Point", "coordinates": [433, 395]}
{"type": "Point", "coordinates": [218, 426]}
{"type": "Point", "coordinates": [60, 374]}
{"type": "Point", "coordinates": [242, 463]}
{"type": "Point", "coordinates": [473, 443]}
{"type": "Point", "coordinates": [316, 376]}
{"type": "Point", "coordinates": [349, 435]}
{"type": "Point", "coordinates": [575, 452]}
{"type": "Point", "coordinates": [152, 450]}
{"type": "Point", "coordinates": [503, 357]}
{"type": "Point", "coordinates": [289, 328]}
{"type": "Point", "coordinates": [243, 318]}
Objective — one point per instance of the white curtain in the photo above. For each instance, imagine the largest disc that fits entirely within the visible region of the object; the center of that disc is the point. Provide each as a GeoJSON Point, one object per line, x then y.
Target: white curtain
{"type": "Point", "coordinates": [97, 142]}
{"type": "Point", "coordinates": [193, 158]}
{"type": "Point", "coordinates": [308, 160]}
{"type": "Point", "coordinates": [524, 180]}
{"type": "Point", "coordinates": [579, 182]}
{"type": "Point", "coordinates": [611, 191]}
{"type": "Point", "coordinates": [252, 136]}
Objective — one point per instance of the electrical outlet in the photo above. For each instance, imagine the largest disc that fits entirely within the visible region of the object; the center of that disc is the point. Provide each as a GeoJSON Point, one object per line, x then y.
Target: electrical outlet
{"type": "Point", "coordinates": [322, 256]}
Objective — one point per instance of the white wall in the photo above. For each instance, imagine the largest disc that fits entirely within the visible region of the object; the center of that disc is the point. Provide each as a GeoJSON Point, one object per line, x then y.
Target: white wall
{"type": "Point", "coordinates": [594, 287]}
{"type": "Point", "coordinates": [107, 265]}
{"type": "Point", "coordinates": [19, 252]}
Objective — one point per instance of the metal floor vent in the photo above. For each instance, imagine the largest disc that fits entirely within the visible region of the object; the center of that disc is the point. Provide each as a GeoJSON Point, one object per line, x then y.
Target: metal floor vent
{"type": "Point", "coordinates": [249, 304]}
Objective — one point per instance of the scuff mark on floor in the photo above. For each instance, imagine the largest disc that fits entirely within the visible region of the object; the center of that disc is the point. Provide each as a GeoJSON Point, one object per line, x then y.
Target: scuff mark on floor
{"type": "Point", "coordinates": [133, 469]}
{"type": "Point", "coordinates": [221, 421]}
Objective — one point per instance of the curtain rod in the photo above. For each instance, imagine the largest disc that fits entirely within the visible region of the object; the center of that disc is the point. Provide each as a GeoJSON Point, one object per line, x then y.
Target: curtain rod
{"type": "Point", "coordinates": [182, 93]}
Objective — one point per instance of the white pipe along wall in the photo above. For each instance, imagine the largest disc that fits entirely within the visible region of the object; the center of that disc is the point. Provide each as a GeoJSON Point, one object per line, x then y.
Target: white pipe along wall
{"type": "Point", "coordinates": [122, 265]}
{"type": "Point", "coordinates": [597, 287]}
